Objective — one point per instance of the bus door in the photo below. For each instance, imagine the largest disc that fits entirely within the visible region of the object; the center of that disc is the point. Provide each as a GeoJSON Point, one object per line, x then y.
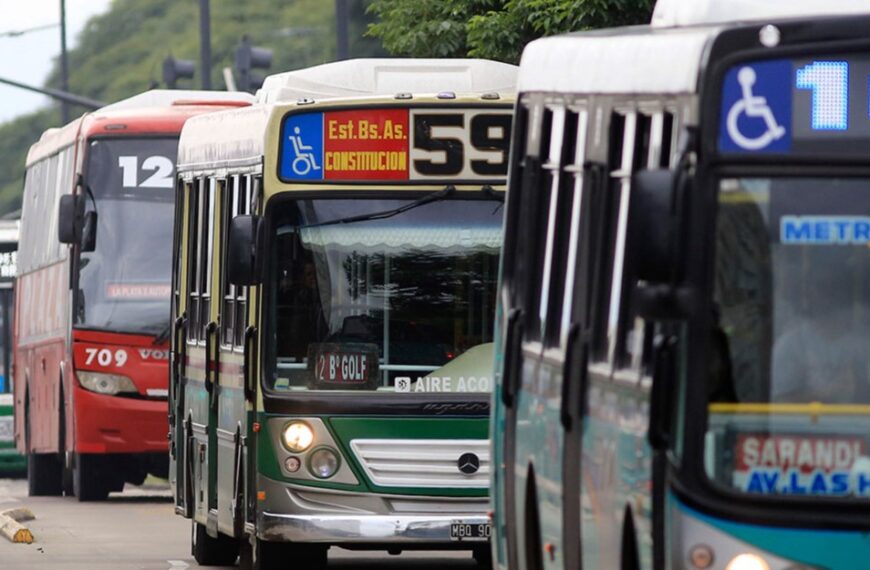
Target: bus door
{"type": "Point", "coordinates": [230, 391]}
{"type": "Point", "coordinates": [200, 412]}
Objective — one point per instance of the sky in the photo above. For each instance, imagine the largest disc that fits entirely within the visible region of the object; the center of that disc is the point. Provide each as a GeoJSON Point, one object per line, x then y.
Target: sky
{"type": "Point", "coordinates": [28, 58]}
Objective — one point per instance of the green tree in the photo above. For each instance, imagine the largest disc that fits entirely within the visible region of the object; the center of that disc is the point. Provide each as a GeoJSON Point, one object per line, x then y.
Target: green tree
{"type": "Point", "coordinates": [494, 29]}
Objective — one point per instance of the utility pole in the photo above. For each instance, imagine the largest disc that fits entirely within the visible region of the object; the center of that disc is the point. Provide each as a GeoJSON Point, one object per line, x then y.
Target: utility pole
{"type": "Point", "coordinates": [342, 18]}
{"type": "Point", "coordinates": [64, 64]}
{"type": "Point", "coordinates": [205, 43]}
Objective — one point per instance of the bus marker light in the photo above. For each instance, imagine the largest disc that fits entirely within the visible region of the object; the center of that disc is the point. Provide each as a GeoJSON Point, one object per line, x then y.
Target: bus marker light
{"type": "Point", "coordinates": [261, 495]}
{"type": "Point", "coordinates": [292, 464]}
{"type": "Point", "coordinates": [747, 562]}
{"type": "Point", "coordinates": [701, 556]}
{"type": "Point", "coordinates": [550, 548]}
{"type": "Point", "coordinates": [769, 36]}
{"type": "Point", "coordinates": [256, 427]}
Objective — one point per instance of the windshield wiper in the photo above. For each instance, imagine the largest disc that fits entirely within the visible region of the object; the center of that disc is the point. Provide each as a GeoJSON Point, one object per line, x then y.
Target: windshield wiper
{"type": "Point", "coordinates": [427, 199]}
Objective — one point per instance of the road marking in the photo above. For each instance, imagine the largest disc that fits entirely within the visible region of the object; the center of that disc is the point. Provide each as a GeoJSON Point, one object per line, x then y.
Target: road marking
{"type": "Point", "coordinates": [178, 564]}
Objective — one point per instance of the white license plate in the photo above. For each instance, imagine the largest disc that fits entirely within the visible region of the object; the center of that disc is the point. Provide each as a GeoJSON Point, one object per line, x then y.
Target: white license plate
{"type": "Point", "coordinates": [466, 531]}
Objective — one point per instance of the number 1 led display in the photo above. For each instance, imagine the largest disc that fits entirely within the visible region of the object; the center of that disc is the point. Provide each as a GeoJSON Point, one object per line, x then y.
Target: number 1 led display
{"type": "Point", "coordinates": [797, 106]}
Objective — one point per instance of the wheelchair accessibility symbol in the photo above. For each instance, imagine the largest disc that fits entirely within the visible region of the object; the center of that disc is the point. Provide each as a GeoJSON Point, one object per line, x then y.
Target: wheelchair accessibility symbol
{"type": "Point", "coordinates": [756, 107]}
{"type": "Point", "coordinates": [305, 161]}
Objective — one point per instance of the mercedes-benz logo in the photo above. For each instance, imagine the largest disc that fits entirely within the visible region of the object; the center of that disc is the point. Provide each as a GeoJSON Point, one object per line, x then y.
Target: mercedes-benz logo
{"type": "Point", "coordinates": [468, 463]}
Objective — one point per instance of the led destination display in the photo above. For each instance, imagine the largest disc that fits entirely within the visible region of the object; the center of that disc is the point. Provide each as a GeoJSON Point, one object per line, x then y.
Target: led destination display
{"type": "Point", "coordinates": [802, 105]}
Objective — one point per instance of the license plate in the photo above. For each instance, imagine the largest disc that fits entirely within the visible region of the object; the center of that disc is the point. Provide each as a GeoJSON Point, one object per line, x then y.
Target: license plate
{"type": "Point", "coordinates": [465, 531]}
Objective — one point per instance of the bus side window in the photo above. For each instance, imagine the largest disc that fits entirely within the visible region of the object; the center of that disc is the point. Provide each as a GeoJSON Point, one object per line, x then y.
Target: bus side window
{"type": "Point", "coordinates": [200, 253]}
{"type": "Point", "coordinates": [236, 202]}
{"type": "Point", "coordinates": [560, 232]}
{"type": "Point", "coordinates": [527, 208]}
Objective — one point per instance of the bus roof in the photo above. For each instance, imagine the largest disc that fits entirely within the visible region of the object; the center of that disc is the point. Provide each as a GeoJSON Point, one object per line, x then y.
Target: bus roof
{"type": "Point", "coordinates": [156, 111]}
{"type": "Point", "coordinates": [232, 138]}
{"type": "Point", "coordinates": [647, 60]}
{"type": "Point", "coordinates": [669, 13]}
{"type": "Point", "coordinates": [368, 77]}
{"type": "Point", "coordinates": [663, 58]}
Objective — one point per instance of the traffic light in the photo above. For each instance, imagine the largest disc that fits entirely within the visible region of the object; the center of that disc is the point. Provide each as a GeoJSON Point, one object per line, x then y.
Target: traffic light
{"type": "Point", "coordinates": [248, 58]}
{"type": "Point", "coordinates": [175, 69]}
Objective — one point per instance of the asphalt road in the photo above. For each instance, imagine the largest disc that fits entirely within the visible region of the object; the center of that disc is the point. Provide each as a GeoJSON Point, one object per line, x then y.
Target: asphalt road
{"type": "Point", "coordinates": [137, 530]}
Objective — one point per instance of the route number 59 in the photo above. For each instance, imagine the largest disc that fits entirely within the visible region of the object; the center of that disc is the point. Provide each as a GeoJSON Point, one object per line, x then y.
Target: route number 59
{"type": "Point", "coordinates": [105, 357]}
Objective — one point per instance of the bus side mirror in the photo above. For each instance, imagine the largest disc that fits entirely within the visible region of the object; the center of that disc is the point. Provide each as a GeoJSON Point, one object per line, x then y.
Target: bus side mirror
{"type": "Point", "coordinates": [71, 212]}
{"type": "Point", "coordinates": [243, 250]}
{"type": "Point", "coordinates": [89, 232]}
{"type": "Point", "coordinates": [655, 250]}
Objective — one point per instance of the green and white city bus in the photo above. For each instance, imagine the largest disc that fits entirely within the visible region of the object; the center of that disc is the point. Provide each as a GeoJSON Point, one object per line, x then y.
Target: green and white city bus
{"type": "Point", "coordinates": [11, 462]}
{"type": "Point", "coordinates": [336, 260]}
{"type": "Point", "coordinates": [683, 379]}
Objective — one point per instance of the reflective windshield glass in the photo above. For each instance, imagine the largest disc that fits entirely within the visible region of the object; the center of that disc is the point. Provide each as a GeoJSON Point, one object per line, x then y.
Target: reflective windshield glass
{"type": "Point", "coordinates": [790, 368]}
{"type": "Point", "coordinates": [404, 303]}
{"type": "Point", "coordinates": [124, 282]}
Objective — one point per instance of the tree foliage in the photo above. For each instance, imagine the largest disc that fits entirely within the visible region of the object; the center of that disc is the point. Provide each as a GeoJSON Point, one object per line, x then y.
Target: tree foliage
{"type": "Point", "coordinates": [493, 29]}
{"type": "Point", "coordinates": [120, 53]}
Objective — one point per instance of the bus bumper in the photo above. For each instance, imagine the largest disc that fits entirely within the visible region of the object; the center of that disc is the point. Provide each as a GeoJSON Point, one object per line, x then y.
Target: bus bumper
{"type": "Point", "coordinates": [296, 513]}
{"type": "Point", "coordinates": [115, 424]}
{"type": "Point", "coordinates": [433, 530]}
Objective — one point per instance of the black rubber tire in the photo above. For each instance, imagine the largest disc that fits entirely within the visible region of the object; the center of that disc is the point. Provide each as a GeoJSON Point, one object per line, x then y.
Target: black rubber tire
{"type": "Point", "coordinates": [89, 477]}
{"type": "Point", "coordinates": [44, 475]}
{"type": "Point", "coordinates": [44, 471]}
{"type": "Point", "coordinates": [208, 551]}
{"type": "Point", "coordinates": [483, 556]}
{"type": "Point", "coordinates": [275, 555]}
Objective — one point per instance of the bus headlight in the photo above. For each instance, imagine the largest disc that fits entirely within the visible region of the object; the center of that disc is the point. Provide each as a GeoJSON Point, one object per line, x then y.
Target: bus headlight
{"type": "Point", "coordinates": [297, 437]}
{"type": "Point", "coordinates": [747, 562]}
{"type": "Point", "coordinates": [323, 463]}
{"type": "Point", "coordinates": [103, 383]}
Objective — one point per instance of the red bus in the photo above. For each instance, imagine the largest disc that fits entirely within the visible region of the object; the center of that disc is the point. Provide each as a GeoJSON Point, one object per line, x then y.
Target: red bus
{"type": "Point", "coordinates": [93, 295]}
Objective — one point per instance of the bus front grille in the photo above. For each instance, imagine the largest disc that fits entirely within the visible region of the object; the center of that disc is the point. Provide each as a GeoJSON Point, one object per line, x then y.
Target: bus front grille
{"type": "Point", "coordinates": [461, 463]}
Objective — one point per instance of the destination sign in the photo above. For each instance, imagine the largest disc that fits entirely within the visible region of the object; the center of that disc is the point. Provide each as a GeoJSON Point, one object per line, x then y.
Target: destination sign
{"type": "Point", "coordinates": [801, 465]}
{"type": "Point", "coordinates": [396, 144]}
{"type": "Point", "coordinates": [802, 105]}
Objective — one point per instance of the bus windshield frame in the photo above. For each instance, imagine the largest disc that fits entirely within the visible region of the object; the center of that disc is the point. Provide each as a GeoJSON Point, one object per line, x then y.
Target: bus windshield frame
{"type": "Point", "coordinates": [381, 200]}
{"type": "Point", "coordinates": [786, 417]}
{"type": "Point", "coordinates": [112, 194]}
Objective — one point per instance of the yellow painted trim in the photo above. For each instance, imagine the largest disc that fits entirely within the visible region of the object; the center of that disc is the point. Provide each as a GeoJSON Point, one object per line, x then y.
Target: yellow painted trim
{"type": "Point", "coordinates": [810, 409]}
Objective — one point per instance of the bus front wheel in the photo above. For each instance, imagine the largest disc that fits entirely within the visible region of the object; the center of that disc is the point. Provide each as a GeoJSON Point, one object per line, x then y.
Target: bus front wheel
{"type": "Point", "coordinates": [208, 551]}
{"type": "Point", "coordinates": [90, 477]}
{"type": "Point", "coordinates": [262, 555]}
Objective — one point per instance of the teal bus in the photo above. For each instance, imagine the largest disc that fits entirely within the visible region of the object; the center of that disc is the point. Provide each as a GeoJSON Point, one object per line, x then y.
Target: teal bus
{"type": "Point", "coordinates": [336, 260]}
{"type": "Point", "coordinates": [11, 462]}
{"type": "Point", "coordinates": [682, 379]}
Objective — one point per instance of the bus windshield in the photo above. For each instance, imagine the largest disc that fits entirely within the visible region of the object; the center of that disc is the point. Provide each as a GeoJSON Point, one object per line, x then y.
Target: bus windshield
{"type": "Point", "coordinates": [124, 282]}
{"type": "Point", "coordinates": [403, 303]}
{"type": "Point", "coordinates": [789, 384]}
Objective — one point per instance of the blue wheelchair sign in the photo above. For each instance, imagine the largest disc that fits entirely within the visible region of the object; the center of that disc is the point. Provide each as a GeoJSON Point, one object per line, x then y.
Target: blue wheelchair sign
{"type": "Point", "coordinates": [302, 149]}
{"type": "Point", "coordinates": [757, 108]}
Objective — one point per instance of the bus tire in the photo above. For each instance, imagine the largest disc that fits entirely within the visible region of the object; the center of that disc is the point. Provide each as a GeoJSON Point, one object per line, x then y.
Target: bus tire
{"type": "Point", "coordinates": [274, 555]}
{"type": "Point", "coordinates": [208, 551]}
{"type": "Point", "coordinates": [630, 559]}
{"type": "Point", "coordinates": [483, 555]}
{"type": "Point", "coordinates": [89, 477]}
{"type": "Point", "coordinates": [44, 472]}
{"type": "Point", "coordinates": [533, 544]}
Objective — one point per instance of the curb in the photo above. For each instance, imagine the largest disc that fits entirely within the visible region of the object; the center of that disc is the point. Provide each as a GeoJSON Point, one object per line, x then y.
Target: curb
{"type": "Point", "coordinates": [11, 527]}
